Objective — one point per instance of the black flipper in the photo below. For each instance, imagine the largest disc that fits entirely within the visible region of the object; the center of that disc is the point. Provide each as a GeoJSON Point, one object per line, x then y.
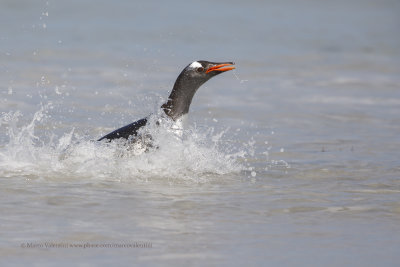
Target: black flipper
{"type": "Point", "coordinates": [126, 131]}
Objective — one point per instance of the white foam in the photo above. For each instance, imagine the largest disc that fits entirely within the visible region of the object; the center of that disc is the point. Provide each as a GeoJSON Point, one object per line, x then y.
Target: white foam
{"type": "Point", "coordinates": [192, 155]}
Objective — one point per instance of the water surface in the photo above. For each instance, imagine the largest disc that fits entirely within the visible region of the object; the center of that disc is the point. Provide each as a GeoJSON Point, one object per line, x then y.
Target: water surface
{"type": "Point", "coordinates": [292, 159]}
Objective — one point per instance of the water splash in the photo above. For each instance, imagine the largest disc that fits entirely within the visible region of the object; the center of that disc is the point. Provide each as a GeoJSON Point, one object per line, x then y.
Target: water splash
{"type": "Point", "coordinates": [197, 155]}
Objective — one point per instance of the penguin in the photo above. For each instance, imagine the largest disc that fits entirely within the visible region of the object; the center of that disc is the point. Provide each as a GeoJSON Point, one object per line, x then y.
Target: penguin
{"type": "Point", "coordinates": [188, 82]}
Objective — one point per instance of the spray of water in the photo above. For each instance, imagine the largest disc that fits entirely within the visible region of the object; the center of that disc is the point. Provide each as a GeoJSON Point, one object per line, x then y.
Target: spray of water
{"type": "Point", "coordinates": [196, 154]}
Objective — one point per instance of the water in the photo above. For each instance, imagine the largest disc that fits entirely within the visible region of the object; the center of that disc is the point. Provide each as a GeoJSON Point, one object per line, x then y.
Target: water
{"type": "Point", "coordinates": [292, 159]}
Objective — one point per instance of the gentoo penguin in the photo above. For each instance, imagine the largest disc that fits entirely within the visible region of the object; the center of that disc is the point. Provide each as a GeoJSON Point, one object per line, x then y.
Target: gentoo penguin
{"type": "Point", "coordinates": [186, 85]}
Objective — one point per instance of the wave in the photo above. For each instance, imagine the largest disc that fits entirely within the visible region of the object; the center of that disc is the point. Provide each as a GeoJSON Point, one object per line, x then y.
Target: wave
{"type": "Point", "coordinates": [196, 155]}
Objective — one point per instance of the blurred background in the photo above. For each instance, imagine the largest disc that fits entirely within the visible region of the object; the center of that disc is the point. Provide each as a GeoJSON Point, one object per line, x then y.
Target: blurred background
{"type": "Point", "coordinates": [313, 107]}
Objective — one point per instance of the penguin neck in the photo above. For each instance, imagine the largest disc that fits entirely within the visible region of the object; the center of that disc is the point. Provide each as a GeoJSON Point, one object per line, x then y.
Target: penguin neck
{"type": "Point", "coordinates": [181, 97]}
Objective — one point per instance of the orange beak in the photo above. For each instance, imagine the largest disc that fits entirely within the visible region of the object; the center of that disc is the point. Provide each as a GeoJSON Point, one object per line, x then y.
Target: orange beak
{"type": "Point", "coordinates": [220, 67]}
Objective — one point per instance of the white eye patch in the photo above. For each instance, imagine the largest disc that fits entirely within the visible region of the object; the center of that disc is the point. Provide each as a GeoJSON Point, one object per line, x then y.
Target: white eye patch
{"type": "Point", "coordinates": [195, 65]}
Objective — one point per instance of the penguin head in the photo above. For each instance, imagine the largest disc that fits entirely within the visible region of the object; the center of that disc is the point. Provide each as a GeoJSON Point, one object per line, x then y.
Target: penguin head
{"type": "Point", "coordinates": [191, 78]}
{"type": "Point", "coordinates": [202, 70]}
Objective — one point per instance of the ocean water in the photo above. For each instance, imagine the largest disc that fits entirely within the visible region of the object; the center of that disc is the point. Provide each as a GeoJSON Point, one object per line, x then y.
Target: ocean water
{"type": "Point", "coordinates": [292, 159]}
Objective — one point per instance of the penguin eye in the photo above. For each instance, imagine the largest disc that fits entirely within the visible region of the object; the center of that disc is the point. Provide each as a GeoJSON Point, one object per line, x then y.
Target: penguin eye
{"type": "Point", "coordinates": [200, 69]}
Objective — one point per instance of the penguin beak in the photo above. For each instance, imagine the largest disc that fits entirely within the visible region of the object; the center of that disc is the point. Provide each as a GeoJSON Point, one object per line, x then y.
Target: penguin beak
{"type": "Point", "coordinates": [221, 67]}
